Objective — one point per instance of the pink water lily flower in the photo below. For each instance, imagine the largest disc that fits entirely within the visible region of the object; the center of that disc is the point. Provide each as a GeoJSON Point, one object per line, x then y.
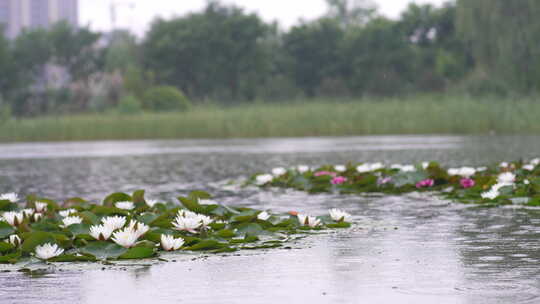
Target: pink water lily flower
{"type": "Point", "coordinates": [384, 180]}
{"type": "Point", "coordinates": [323, 173]}
{"type": "Point", "coordinates": [467, 183]}
{"type": "Point", "coordinates": [425, 183]}
{"type": "Point", "coordinates": [339, 180]}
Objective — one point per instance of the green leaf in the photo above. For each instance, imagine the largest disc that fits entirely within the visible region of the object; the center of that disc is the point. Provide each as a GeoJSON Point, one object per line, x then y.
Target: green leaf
{"type": "Point", "coordinates": [10, 258]}
{"type": "Point", "coordinates": [206, 245]}
{"type": "Point", "coordinates": [6, 205]}
{"type": "Point", "coordinates": [47, 226]}
{"type": "Point", "coordinates": [36, 238]}
{"type": "Point", "coordinates": [147, 218]}
{"type": "Point", "coordinates": [246, 216]}
{"type": "Point", "coordinates": [138, 253]}
{"type": "Point", "coordinates": [197, 195]}
{"type": "Point", "coordinates": [339, 225]}
{"type": "Point", "coordinates": [251, 229]}
{"type": "Point", "coordinates": [89, 217]}
{"type": "Point", "coordinates": [138, 197]}
{"type": "Point", "coordinates": [191, 204]}
{"type": "Point", "coordinates": [116, 197]}
{"type": "Point", "coordinates": [78, 229]}
{"type": "Point", "coordinates": [409, 178]}
{"type": "Point", "coordinates": [5, 247]}
{"type": "Point", "coordinates": [103, 250]}
{"type": "Point", "coordinates": [6, 230]}
{"type": "Point", "coordinates": [73, 258]}
{"type": "Point", "coordinates": [105, 210]}
{"type": "Point", "coordinates": [225, 233]}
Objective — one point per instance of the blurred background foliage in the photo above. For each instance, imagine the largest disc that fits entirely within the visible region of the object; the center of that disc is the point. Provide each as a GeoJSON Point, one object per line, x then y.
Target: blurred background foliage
{"type": "Point", "coordinates": [223, 55]}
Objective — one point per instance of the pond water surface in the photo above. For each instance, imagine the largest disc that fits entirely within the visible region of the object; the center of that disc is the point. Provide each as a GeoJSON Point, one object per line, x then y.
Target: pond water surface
{"type": "Point", "coordinates": [410, 249]}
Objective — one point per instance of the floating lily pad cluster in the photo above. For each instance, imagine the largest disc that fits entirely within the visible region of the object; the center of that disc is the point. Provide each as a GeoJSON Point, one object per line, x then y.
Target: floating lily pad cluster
{"type": "Point", "coordinates": [131, 227]}
{"type": "Point", "coordinates": [504, 183]}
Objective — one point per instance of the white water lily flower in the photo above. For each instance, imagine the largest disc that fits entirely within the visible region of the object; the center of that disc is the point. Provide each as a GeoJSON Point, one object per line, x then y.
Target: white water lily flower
{"type": "Point", "coordinates": [310, 221]}
{"type": "Point", "coordinates": [377, 166]}
{"type": "Point", "coordinates": [13, 218]}
{"type": "Point", "coordinates": [41, 206]}
{"type": "Point", "coordinates": [364, 168]}
{"type": "Point", "coordinates": [506, 178]}
{"type": "Point", "coordinates": [535, 162]}
{"type": "Point", "coordinates": [189, 224]}
{"type": "Point", "coordinates": [263, 216]}
{"type": "Point", "coordinates": [481, 169]}
{"type": "Point", "coordinates": [498, 186]}
{"type": "Point", "coordinates": [408, 168]}
{"type": "Point", "coordinates": [453, 171]}
{"type": "Point", "coordinates": [404, 168]}
{"type": "Point", "coordinates": [189, 221]}
{"type": "Point", "coordinates": [151, 203]}
{"type": "Point", "coordinates": [340, 215]}
{"type": "Point", "coordinates": [71, 220]}
{"type": "Point", "coordinates": [101, 232]}
{"type": "Point", "coordinates": [114, 222]}
{"type": "Point", "coordinates": [425, 165]}
{"type": "Point", "coordinates": [340, 168]}
{"type": "Point", "coordinates": [263, 179]}
{"type": "Point", "coordinates": [125, 205]}
{"type": "Point", "coordinates": [526, 182]}
{"type": "Point", "coordinates": [465, 172]}
{"type": "Point", "coordinates": [12, 197]}
{"type": "Point", "coordinates": [15, 240]}
{"type": "Point", "coordinates": [28, 212]}
{"type": "Point", "coordinates": [529, 167]}
{"type": "Point", "coordinates": [126, 238]}
{"type": "Point", "coordinates": [302, 169]}
{"type": "Point", "coordinates": [67, 212]}
{"type": "Point", "coordinates": [207, 202]}
{"type": "Point", "coordinates": [37, 217]}
{"type": "Point", "coordinates": [139, 228]}
{"type": "Point", "coordinates": [187, 213]}
{"type": "Point", "coordinates": [504, 165]}
{"type": "Point", "coordinates": [48, 251]}
{"type": "Point", "coordinates": [279, 171]}
{"type": "Point", "coordinates": [491, 194]}
{"type": "Point", "coordinates": [169, 243]}
{"type": "Point", "coordinates": [203, 219]}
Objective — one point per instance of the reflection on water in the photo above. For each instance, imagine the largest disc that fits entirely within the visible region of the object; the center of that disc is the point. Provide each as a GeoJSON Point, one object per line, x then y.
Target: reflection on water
{"type": "Point", "coordinates": [411, 249]}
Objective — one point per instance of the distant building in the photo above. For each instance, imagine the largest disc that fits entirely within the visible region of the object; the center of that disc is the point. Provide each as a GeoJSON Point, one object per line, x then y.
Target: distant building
{"type": "Point", "coordinates": [16, 15]}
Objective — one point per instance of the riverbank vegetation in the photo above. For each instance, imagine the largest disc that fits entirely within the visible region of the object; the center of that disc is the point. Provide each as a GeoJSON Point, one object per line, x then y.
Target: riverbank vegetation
{"type": "Point", "coordinates": [225, 54]}
{"type": "Point", "coordinates": [414, 115]}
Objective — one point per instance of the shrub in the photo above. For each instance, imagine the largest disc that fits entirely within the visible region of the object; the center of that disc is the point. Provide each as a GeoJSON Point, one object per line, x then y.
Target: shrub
{"type": "Point", "coordinates": [165, 98]}
{"type": "Point", "coordinates": [129, 104]}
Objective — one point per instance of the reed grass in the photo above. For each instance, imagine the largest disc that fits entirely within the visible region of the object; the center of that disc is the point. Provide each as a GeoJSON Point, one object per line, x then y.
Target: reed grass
{"type": "Point", "coordinates": [418, 115]}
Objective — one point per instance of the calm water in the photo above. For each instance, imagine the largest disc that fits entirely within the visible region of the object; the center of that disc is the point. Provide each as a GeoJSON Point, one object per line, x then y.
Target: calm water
{"type": "Point", "coordinates": [412, 249]}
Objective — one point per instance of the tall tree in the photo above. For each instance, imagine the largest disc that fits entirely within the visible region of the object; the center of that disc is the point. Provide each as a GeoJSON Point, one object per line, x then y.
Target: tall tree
{"type": "Point", "coordinates": [315, 51]}
{"type": "Point", "coordinates": [217, 51]}
{"type": "Point", "coordinates": [351, 12]}
{"type": "Point", "coordinates": [503, 36]}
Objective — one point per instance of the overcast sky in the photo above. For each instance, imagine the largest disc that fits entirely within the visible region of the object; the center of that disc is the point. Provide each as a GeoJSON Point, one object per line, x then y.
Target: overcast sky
{"type": "Point", "coordinates": [138, 14]}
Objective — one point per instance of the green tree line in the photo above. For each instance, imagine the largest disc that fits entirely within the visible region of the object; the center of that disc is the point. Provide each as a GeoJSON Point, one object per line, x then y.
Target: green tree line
{"type": "Point", "coordinates": [226, 55]}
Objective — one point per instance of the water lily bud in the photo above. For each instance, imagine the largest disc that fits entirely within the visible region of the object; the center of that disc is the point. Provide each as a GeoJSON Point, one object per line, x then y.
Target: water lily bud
{"type": "Point", "coordinates": [41, 207]}
{"type": "Point", "coordinates": [15, 240]}
{"type": "Point", "coordinates": [37, 217]}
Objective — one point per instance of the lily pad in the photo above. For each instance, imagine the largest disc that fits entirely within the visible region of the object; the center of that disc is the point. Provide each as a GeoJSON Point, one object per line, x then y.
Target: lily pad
{"type": "Point", "coordinates": [103, 250]}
